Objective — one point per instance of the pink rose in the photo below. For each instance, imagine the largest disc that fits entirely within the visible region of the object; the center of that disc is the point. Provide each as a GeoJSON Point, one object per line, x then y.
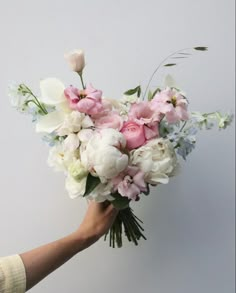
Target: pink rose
{"type": "Point", "coordinates": [134, 134]}
{"type": "Point", "coordinates": [111, 120]}
{"type": "Point", "coordinates": [172, 104]}
{"type": "Point", "coordinates": [130, 183]}
{"type": "Point", "coordinates": [141, 113]}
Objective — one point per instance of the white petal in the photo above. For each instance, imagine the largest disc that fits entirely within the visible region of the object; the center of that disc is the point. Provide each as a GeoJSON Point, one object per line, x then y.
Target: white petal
{"type": "Point", "coordinates": [169, 81]}
{"type": "Point", "coordinates": [87, 122]}
{"type": "Point", "coordinates": [50, 122]}
{"type": "Point", "coordinates": [72, 142]}
{"type": "Point", "coordinates": [75, 188]}
{"type": "Point", "coordinates": [52, 91]}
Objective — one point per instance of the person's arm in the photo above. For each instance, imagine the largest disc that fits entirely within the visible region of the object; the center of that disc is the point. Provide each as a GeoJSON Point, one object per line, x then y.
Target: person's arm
{"type": "Point", "coordinates": [43, 260]}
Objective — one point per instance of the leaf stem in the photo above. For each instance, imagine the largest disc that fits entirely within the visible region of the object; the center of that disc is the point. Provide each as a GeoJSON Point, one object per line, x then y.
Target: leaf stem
{"type": "Point", "coordinates": [159, 66]}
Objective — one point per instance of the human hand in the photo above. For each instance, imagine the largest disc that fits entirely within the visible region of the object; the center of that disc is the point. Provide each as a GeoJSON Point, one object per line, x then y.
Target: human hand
{"type": "Point", "coordinates": [97, 221]}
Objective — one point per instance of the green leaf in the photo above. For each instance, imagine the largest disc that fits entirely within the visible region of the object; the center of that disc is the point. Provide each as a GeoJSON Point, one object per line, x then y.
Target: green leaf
{"type": "Point", "coordinates": [170, 64]}
{"type": "Point", "coordinates": [201, 48]}
{"type": "Point", "coordinates": [120, 202]}
{"type": "Point", "coordinates": [91, 183]}
{"type": "Point", "coordinates": [150, 96]}
{"type": "Point", "coordinates": [133, 91]}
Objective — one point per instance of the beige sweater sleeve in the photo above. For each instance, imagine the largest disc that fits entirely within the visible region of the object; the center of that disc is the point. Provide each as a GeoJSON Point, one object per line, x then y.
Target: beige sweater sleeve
{"type": "Point", "coordinates": [12, 275]}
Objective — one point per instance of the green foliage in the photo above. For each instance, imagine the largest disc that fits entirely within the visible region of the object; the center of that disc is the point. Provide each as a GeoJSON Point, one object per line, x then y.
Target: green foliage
{"type": "Point", "coordinates": [120, 202]}
{"type": "Point", "coordinates": [134, 91]}
{"type": "Point", "coordinates": [91, 183]}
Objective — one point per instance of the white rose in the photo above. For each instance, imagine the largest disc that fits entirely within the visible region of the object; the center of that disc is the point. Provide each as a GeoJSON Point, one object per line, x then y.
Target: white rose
{"type": "Point", "coordinates": [103, 155]}
{"type": "Point", "coordinates": [76, 60]}
{"type": "Point", "coordinates": [157, 159]}
{"type": "Point", "coordinates": [75, 188]}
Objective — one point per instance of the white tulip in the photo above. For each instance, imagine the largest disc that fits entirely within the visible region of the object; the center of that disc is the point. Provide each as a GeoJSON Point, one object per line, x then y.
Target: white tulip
{"type": "Point", "coordinates": [76, 60]}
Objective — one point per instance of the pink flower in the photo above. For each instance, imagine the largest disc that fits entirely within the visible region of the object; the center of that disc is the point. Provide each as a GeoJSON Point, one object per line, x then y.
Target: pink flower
{"type": "Point", "coordinates": [111, 120]}
{"type": "Point", "coordinates": [172, 104]}
{"type": "Point", "coordinates": [73, 96]}
{"type": "Point", "coordinates": [142, 113]}
{"type": "Point", "coordinates": [88, 101]}
{"type": "Point", "coordinates": [134, 134]}
{"type": "Point", "coordinates": [130, 183]}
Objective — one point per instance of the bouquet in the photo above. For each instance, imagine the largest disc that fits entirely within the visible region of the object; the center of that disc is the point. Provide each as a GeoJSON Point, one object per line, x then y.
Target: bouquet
{"type": "Point", "coordinates": [115, 150]}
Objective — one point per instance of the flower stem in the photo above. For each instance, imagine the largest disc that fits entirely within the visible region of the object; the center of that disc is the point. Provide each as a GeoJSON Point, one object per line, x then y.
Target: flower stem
{"type": "Point", "coordinates": [159, 66]}
{"type": "Point", "coordinates": [81, 79]}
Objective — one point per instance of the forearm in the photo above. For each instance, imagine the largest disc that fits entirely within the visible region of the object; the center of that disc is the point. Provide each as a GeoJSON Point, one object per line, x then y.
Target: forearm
{"type": "Point", "coordinates": [43, 260]}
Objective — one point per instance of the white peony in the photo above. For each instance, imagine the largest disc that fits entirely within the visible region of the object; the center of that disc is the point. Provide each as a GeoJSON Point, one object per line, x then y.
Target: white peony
{"type": "Point", "coordinates": [103, 155]}
{"type": "Point", "coordinates": [157, 159]}
{"type": "Point", "coordinates": [59, 158]}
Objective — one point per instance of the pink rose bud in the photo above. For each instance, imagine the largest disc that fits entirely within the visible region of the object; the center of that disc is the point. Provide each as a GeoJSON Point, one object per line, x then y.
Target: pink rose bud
{"type": "Point", "coordinates": [76, 60]}
{"type": "Point", "coordinates": [134, 134]}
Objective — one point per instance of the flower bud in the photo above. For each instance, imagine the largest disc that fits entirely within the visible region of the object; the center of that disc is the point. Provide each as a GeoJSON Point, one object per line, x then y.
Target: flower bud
{"type": "Point", "coordinates": [77, 170]}
{"type": "Point", "coordinates": [76, 60]}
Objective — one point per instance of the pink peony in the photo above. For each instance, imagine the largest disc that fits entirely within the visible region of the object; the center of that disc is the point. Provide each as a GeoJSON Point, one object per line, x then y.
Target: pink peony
{"type": "Point", "coordinates": [111, 120]}
{"type": "Point", "coordinates": [88, 101]}
{"type": "Point", "coordinates": [130, 183]}
{"type": "Point", "coordinates": [172, 104]}
{"type": "Point", "coordinates": [134, 134]}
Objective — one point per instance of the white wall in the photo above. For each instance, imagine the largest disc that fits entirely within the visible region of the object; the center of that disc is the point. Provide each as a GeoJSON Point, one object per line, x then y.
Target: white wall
{"type": "Point", "coordinates": [190, 222]}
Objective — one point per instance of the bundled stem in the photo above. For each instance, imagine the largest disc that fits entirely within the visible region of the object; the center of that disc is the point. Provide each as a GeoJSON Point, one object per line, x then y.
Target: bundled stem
{"type": "Point", "coordinates": [132, 228]}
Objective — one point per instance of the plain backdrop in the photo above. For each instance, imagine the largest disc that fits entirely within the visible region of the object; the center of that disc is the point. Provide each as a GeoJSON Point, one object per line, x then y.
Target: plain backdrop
{"type": "Point", "coordinates": [190, 222]}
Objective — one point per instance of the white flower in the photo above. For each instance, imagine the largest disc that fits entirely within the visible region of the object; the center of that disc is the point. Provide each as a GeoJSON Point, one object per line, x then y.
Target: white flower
{"type": "Point", "coordinates": [77, 170]}
{"type": "Point", "coordinates": [72, 142]}
{"type": "Point", "coordinates": [73, 122]}
{"type": "Point", "coordinates": [224, 120]}
{"type": "Point", "coordinates": [16, 97]}
{"type": "Point", "coordinates": [103, 155]}
{"type": "Point", "coordinates": [52, 93]}
{"type": "Point", "coordinates": [60, 159]}
{"type": "Point", "coordinates": [76, 60]}
{"type": "Point", "coordinates": [131, 99]}
{"type": "Point", "coordinates": [157, 159]}
{"type": "Point", "coordinates": [75, 188]}
{"type": "Point", "coordinates": [101, 193]}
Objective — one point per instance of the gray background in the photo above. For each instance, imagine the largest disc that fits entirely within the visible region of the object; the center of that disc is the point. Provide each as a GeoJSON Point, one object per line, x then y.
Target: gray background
{"type": "Point", "coordinates": [190, 222]}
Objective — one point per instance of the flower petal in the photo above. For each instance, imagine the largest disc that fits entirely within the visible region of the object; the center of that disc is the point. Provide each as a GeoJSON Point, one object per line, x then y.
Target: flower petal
{"type": "Point", "coordinates": [52, 91]}
{"type": "Point", "coordinates": [50, 122]}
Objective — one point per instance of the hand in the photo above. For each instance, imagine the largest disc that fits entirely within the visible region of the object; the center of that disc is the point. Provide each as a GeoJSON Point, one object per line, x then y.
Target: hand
{"type": "Point", "coordinates": [97, 221]}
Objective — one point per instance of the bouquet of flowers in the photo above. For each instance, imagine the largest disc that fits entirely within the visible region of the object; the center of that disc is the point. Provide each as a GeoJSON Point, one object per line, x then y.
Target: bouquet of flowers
{"type": "Point", "coordinates": [114, 150]}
